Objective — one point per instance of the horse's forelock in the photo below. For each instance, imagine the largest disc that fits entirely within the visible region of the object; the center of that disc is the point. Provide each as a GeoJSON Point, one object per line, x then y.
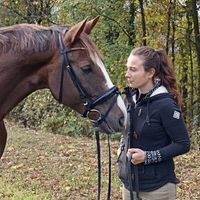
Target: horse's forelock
{"type": "Point", "coordinates": [92, 50]}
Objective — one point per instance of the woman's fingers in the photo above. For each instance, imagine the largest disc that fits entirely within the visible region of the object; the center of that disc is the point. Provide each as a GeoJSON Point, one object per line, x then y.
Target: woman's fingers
{"type": "Point", "coordinates": [135, 155]}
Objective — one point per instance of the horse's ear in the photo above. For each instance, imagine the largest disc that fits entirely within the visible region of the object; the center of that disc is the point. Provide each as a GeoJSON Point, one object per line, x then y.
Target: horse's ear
{"type": "Point", "coordinates": [90, 25]}
{"type": "Point", "coordinates": [74, 32]}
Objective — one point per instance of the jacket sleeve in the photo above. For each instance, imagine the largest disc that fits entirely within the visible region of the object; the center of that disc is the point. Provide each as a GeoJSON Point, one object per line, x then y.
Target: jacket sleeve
{"type": "Point", "coordinates": [175, 128]}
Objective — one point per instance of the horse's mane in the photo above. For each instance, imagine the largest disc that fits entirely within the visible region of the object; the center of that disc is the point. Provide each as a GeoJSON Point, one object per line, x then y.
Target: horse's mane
{"type": "Point", "coordinates": [28, 37]}
{"type": "Point", "coordinates": [35, 38]}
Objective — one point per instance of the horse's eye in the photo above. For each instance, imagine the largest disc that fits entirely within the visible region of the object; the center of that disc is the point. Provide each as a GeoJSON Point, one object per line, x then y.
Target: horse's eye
{"type": "Point", "coordinates": [86, 69]}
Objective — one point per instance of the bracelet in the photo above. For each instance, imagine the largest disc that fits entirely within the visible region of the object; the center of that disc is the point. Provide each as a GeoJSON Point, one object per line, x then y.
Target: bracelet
{"type": "Point", "coordinates": [152, 157]}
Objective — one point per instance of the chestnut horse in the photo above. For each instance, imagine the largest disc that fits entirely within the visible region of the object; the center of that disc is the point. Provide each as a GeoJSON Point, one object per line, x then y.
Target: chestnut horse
{"type": "Point", "coordinates": [63, 59]}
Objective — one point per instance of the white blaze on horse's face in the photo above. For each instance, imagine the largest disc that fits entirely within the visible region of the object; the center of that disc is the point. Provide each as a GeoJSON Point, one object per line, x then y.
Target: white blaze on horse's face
{"type": "Point", "coordinates": [109, 84]}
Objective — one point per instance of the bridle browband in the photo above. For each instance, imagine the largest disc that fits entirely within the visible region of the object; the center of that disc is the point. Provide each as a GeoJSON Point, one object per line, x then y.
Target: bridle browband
{"type": "Point", "coordinates": [89, 104]}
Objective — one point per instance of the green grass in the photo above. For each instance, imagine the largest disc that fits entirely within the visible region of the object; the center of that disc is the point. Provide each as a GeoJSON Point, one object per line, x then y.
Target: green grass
{"type": "Point", "coordinates": [41, 166]}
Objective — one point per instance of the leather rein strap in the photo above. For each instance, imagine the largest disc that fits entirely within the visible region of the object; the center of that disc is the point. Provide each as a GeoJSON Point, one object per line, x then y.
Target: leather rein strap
{"type": "Point", "coordinates": [99, 164]}
{"type": "Point", "coordinates": [89, 105]}
{"type": "Point", "coordinates": [132, 169]}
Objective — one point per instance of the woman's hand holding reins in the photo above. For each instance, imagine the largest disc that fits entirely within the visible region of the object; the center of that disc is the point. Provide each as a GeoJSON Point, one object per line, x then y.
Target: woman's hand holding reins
{"type": "Point", "coordinates": [137, 155]}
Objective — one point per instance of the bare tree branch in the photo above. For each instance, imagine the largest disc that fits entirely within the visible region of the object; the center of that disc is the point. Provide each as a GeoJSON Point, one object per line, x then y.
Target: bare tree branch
{"type": "Point", "coordinates": [107, 17]}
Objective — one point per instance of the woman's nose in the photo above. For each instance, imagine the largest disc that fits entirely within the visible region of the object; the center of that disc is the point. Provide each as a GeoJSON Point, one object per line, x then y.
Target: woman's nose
{"type": "Point", "coordinates": [127, 74]}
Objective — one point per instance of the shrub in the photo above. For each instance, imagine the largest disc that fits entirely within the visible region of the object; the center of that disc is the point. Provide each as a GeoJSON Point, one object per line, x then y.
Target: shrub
{"type": "Point", "coordinates": [41, 110]}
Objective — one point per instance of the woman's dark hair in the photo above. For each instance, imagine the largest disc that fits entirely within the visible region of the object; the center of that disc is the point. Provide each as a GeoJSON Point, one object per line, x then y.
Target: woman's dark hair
{"type": "Point", "coordinates": [158, 60]}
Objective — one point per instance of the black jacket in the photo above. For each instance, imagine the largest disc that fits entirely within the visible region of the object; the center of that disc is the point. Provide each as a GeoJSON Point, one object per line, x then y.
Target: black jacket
{"type": "Point", "coordinates": [159, 126]}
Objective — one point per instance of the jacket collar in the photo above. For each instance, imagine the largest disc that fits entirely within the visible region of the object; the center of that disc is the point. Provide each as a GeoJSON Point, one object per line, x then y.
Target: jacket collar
{"type": "Point", "coordinates": [160, 90]}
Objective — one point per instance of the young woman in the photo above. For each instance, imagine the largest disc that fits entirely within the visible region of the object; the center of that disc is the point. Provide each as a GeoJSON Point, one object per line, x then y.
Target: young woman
{"type": "Point", "coordinates": [159, 130]}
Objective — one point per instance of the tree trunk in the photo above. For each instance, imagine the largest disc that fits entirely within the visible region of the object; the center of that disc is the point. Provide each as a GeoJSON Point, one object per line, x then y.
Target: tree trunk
{"type": "Point", "coordinates": [144, 40]}
{"type": "Point", "coordinates": [184, 82]}
{"type": "Point", "coordinates": [197, 42]}
{"type": "Point", "coordinates": [191, 86]}
{"type": "Point", "coordinates": [173, 31]}
{"type": "Point", "coordinates": [169, 13]}
{"type": "Point", "coordinates": [131, 28]}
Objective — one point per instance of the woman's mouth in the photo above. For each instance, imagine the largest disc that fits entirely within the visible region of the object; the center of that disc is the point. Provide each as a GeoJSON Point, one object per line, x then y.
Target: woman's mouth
{"type": "Point", "coordinates": [130, 81]}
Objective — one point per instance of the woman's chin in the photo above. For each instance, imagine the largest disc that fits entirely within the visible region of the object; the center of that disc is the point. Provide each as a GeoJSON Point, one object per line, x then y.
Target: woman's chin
{"type": "Point", "coordinates": [131, 84]}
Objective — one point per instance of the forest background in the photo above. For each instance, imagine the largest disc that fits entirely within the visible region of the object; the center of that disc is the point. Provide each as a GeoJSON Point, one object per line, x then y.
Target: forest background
{"type": "Point", "coordinates": [172, 25]}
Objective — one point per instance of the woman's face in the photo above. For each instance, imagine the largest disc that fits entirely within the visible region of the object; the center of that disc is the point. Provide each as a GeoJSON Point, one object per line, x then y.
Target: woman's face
{"type": "Point", "coordinates": [136, 75]}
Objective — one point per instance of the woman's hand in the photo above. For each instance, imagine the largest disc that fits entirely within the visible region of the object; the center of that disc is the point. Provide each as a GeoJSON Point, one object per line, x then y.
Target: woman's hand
{"type": "Point", "coordinates": [137, 155]}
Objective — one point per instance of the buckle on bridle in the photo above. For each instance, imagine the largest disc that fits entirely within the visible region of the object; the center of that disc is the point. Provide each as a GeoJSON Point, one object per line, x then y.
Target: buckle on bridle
{"type": "Point", "coordinates": [94, 115]}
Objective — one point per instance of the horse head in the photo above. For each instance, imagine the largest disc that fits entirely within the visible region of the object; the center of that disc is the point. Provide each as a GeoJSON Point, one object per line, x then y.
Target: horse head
{"type": "Point", "coordinates": [78, 79]}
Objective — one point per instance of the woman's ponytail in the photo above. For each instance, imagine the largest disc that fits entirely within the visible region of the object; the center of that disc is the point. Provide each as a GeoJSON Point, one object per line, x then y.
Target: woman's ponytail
{"type": "Point", "coordinates": [167, 76]}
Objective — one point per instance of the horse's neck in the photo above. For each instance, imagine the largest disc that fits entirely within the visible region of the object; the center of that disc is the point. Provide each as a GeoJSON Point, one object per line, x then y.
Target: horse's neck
{"type": "Point", "coordinates": [19, 77]}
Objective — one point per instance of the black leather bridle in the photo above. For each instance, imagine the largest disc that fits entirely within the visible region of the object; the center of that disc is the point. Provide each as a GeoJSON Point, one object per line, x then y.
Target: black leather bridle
{"type": "Point", "coordinates": [85, 98]}
{"type": "Point", "coordinates": [89, 104]}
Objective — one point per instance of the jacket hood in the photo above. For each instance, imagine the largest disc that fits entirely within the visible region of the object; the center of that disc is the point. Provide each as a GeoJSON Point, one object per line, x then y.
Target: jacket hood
{"type": "Point", "coordinates": [161, 91]}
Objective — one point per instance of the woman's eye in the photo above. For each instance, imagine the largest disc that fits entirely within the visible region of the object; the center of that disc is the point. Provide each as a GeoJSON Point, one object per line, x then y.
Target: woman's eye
{"type": "Point", "coordinates": [86, 69]}
{"type": "Point", "coordinates": [132, 69]}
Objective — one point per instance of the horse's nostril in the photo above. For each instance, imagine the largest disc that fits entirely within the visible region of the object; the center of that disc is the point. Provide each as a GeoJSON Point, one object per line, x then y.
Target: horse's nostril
{"type": "Point", "coordinates": [121, 121]}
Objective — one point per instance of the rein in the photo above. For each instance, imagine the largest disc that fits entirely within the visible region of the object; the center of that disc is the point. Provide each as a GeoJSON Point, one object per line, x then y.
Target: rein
{"type": "Point", "coordinates": [89, 105]}
{"type": "Point", "coordinates": [99, 164]}
{"type": "Point", "coordinates": [132, 169]}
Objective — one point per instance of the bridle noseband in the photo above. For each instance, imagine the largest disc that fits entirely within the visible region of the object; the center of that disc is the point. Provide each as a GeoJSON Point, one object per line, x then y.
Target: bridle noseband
{"type": "Point", "coordinates": [89, 105]}
{"type": "Point", "coordinates": [85, 98]}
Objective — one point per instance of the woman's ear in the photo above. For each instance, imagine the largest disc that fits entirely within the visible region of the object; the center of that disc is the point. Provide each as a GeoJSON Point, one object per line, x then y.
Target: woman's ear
{"type": "Point", "coordinates": [151, 72]}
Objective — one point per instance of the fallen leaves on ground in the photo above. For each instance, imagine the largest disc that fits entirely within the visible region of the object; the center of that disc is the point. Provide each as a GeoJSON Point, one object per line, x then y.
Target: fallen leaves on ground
{"type": "Point", "coordinates": [59, 167]}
